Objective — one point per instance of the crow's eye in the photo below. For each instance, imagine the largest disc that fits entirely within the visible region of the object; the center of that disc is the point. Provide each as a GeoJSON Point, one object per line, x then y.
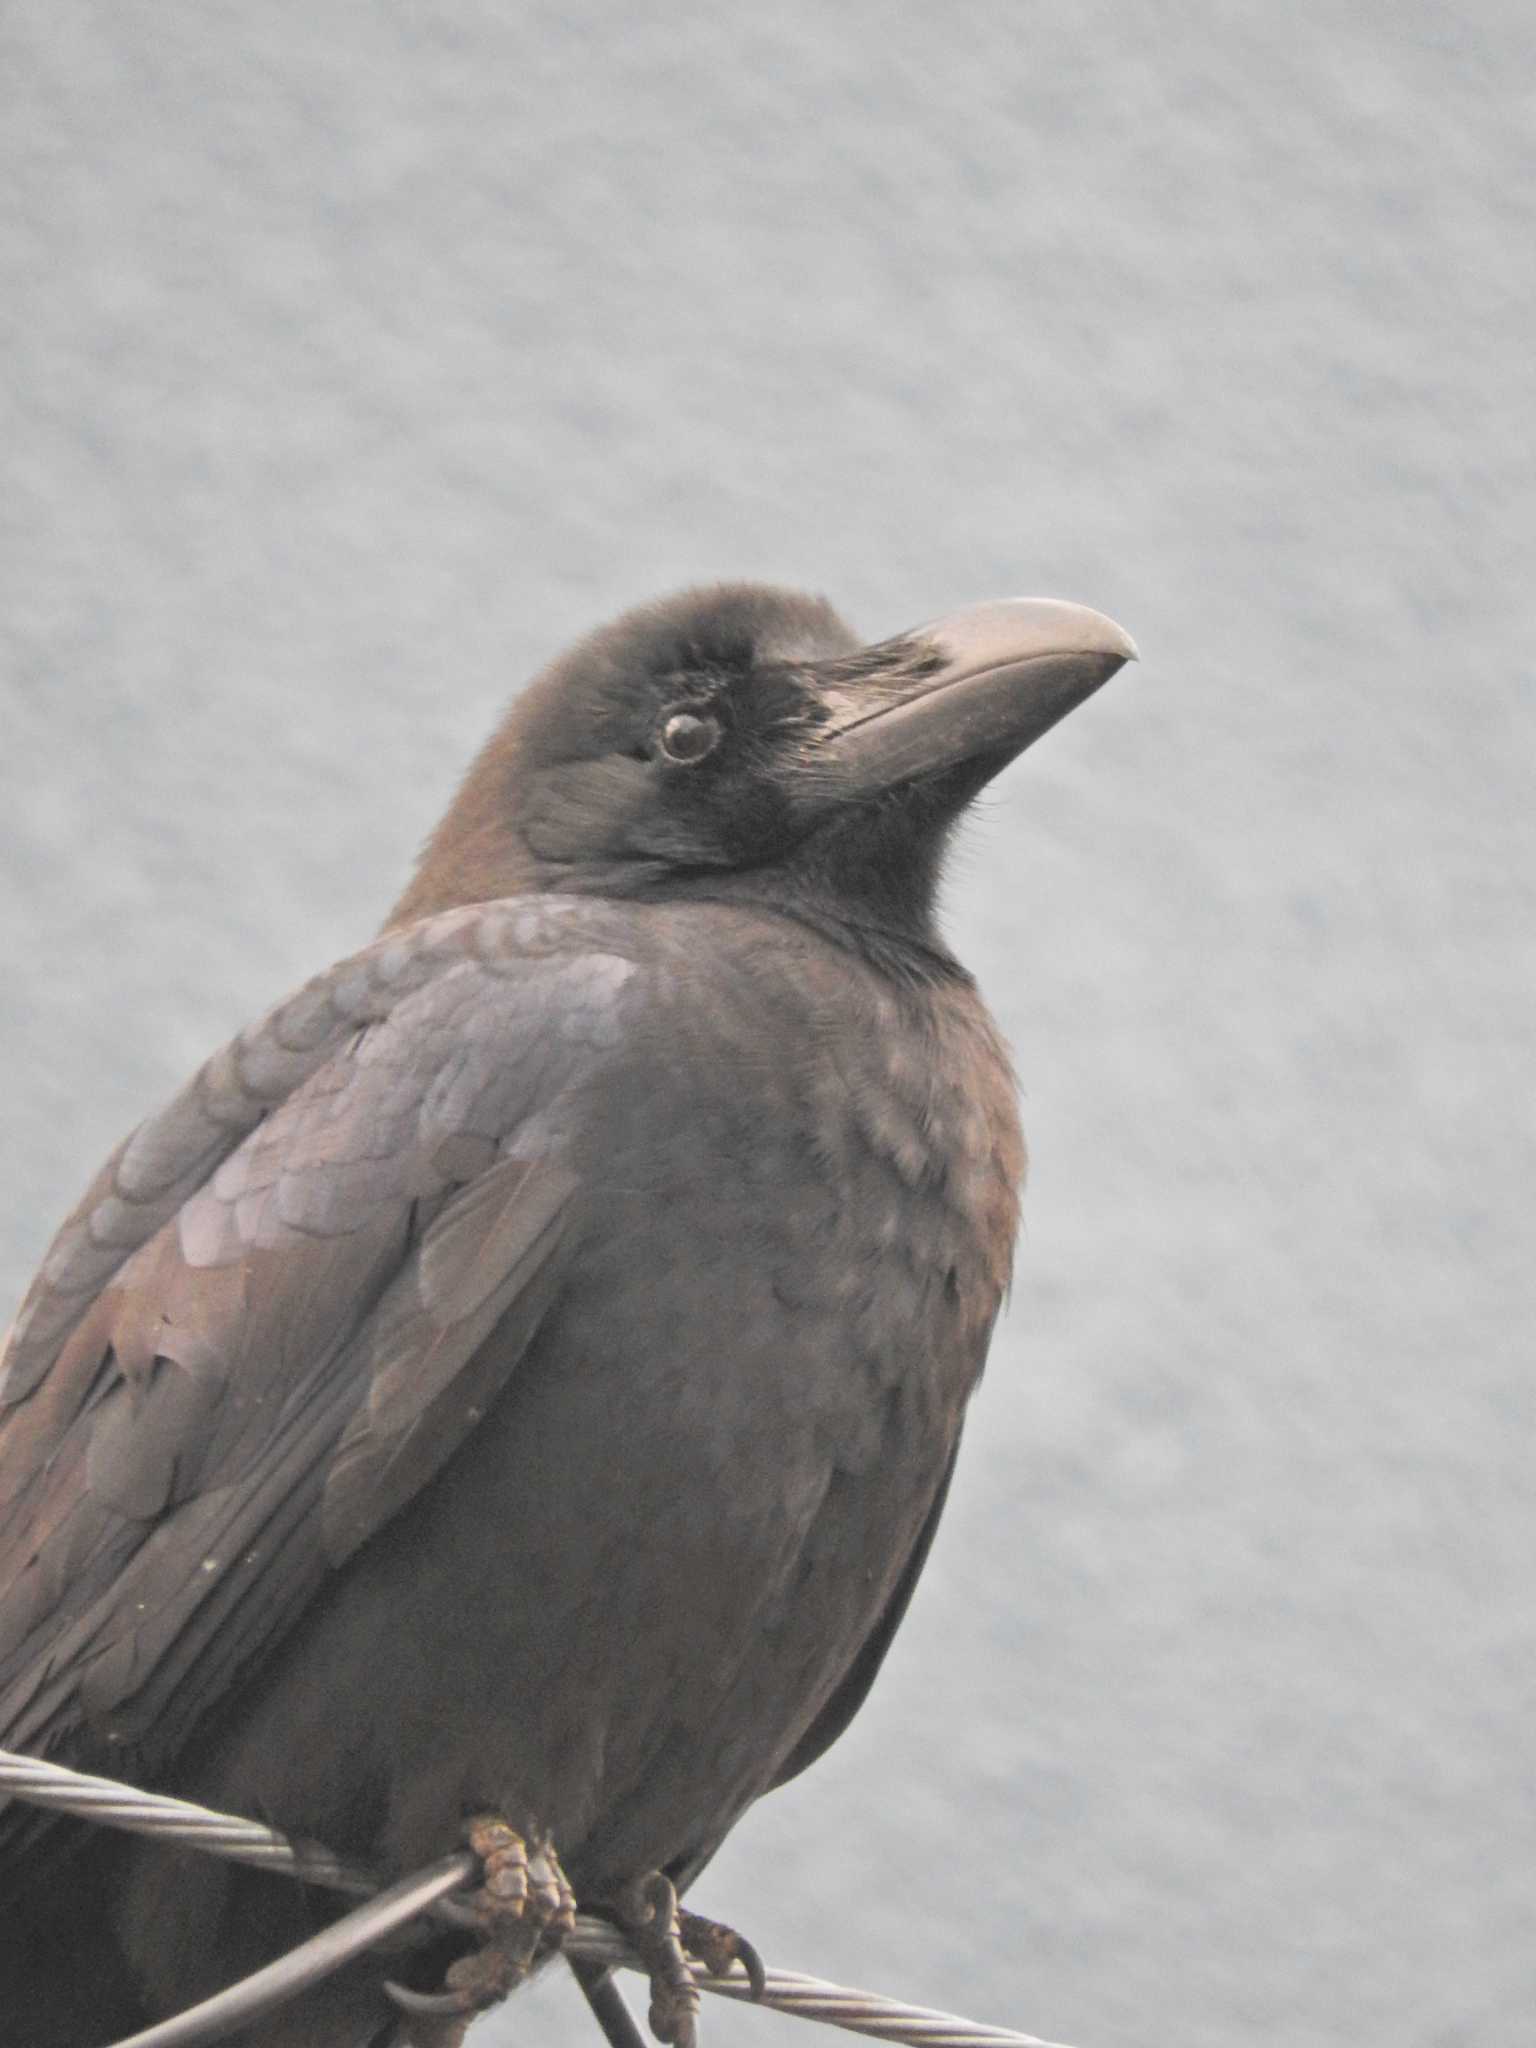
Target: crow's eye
{"type": "Point", "coordinates": [689, 735]}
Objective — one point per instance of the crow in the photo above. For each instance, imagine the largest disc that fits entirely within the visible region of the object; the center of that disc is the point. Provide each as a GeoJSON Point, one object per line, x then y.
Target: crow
{"type": "Point", "coordinates": [508, 1395]}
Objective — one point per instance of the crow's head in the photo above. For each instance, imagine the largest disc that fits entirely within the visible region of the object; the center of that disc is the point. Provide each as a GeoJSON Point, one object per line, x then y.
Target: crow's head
{"type": "Point", "coordinates": [740, 741]}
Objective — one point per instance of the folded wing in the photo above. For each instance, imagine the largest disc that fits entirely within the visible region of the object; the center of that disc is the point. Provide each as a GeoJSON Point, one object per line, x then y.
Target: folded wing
{"type": "Point", "coordinates": [279, 1309]}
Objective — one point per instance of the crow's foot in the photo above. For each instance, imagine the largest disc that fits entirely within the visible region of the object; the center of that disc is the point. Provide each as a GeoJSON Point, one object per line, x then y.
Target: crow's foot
{"type": "Point", "coordinates": [646, 1913]}
{"type": "Point", "coordinates": [522, 1909]}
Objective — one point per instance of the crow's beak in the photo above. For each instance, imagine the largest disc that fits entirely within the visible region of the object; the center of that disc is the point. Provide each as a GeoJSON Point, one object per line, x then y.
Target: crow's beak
{"type": "Point", "coordinates": [978, 687]}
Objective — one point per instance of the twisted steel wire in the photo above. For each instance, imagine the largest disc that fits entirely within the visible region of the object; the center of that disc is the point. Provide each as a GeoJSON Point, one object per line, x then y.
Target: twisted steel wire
{"type": "Point", "coordinates": [234, 2008]}
{"type": "Point", "coordinates": [814, 1998]}
{"type": "Point", "coordinates": [176, 1820]}
{"type": "Point", "coordinates": [594, 1941]}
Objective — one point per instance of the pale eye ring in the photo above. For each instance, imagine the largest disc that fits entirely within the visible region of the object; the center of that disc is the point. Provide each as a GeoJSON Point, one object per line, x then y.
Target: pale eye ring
{"type": "Point", "coordinates": [687, 736]}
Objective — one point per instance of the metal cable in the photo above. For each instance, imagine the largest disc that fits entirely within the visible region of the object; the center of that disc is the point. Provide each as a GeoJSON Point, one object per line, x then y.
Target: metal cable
{"type": "Point", "coordinates": [311, 1962]}
{"type": "Point", "coordinates": [605, 2001]}
{"type": "Point", "coordinates": [177, 1820]}
{"type": "Point", "coordinates": [813, 1998]}
{"type": "Point", "coordinates": [245, 1841]}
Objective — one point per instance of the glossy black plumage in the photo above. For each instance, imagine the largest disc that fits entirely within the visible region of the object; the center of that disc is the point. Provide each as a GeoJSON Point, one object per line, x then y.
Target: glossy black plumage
{"type": "Point", "coordinates": [522, 1374]}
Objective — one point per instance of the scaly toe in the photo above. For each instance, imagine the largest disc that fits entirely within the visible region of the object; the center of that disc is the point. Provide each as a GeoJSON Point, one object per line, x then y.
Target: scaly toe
{"type": "Point", "coordinates": [504, 1861]}
{"type": "Point", "coordinates": [646, 1911]}
{"type": "Point", "coordinates": [521, 1907]}
{"type": "Point", "coordinates": [551, 1900]}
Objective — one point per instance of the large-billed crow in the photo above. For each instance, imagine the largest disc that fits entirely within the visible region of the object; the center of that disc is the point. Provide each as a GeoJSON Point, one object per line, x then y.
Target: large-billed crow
{"type": "Point", "coordinates": [514, 1384]}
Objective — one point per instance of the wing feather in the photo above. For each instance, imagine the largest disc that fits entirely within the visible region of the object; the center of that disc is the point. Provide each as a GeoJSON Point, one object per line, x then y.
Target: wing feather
{"type": "Point", "coordinates": [280, 1308]}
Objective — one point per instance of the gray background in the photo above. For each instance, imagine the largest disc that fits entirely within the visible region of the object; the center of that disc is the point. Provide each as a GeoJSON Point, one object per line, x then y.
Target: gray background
{"type": "Point", "coordinates": [358, 356]}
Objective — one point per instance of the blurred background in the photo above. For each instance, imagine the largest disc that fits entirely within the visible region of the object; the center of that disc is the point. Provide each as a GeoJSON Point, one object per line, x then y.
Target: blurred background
{"type": "Point", "coordinates": [358, 356]}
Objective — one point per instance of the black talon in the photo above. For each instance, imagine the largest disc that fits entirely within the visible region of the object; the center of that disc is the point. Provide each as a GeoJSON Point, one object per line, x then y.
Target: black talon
{"type": "Point", "coordinates": [752, 1963]}
{"type": "Point", "coordinates": [717, 1947]}
{"type": "Point", "coordinates": [433, 2004]}
{"type": "Point", "coordinates": [457, 1912]}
